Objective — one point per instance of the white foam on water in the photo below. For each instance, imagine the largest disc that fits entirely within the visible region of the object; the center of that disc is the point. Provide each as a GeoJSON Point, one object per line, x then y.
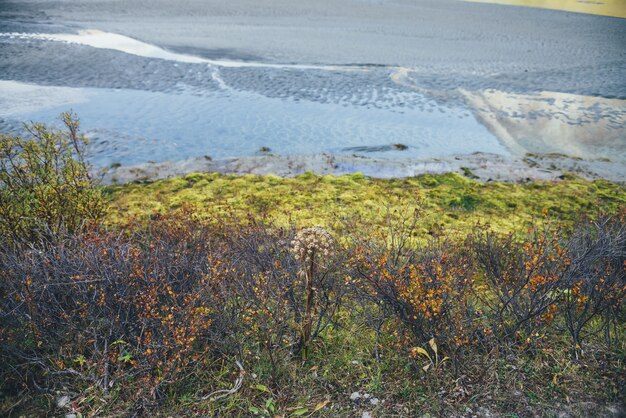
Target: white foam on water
{"type": "Point", "coordinates": [216, 76]}
{"type": "Point", "coordinates": [107, 40]}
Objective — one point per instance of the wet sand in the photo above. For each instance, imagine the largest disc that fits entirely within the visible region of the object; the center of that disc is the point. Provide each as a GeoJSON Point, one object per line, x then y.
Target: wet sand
{"type": "Point", "coordinates": [614, 8]}
{"type": "Point", "coordinates": [549, 122]}
{"type": "Point", "coordinates": [437, 35]}
{"type": "Point", "coordinates": [482, 167]}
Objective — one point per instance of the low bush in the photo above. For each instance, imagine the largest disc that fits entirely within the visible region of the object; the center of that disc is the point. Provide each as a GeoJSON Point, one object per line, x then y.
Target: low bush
{"type": "Point", "coordinates": [428, 288]}
{"type": "Point", "coordinates": [45, 186]}
{"type": "Point", "coordinates": [123, 313]}
{"type": "Point", "coordinates": [285, 286]}
{"type": "Point", "coordinates": [136, 311]}
{"type": "Point", "coordinates": [522, 280]}
{"type": "Point", "coordinates": [138, 317]}
{"type": "Point", "coordinates": [593, 288]}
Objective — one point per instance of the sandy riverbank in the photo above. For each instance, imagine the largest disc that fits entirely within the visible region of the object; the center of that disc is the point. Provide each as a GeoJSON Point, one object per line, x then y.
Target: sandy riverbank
{"type": "Point", "coordinates": [479, 166]}
{"type": "Point", "coordinates": [615, 8]}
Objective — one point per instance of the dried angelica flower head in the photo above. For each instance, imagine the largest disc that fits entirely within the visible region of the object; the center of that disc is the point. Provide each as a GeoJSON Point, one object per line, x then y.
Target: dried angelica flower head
{"type": "Point", "coordinates": [312, 242]}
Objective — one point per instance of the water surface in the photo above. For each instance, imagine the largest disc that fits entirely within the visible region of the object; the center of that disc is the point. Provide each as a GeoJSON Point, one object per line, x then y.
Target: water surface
{"type": "Point", "coordinates": [392, 79]}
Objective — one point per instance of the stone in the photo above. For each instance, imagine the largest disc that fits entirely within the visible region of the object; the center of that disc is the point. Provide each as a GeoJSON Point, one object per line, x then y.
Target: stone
{"type": "Point", "coordinates": [355, 396]}
{"type": "Point", "coordinates": [63, 401]}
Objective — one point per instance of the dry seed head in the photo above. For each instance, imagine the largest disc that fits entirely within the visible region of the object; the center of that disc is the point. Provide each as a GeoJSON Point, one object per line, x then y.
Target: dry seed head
{"type": "Point", "coordinates": [311, 241]}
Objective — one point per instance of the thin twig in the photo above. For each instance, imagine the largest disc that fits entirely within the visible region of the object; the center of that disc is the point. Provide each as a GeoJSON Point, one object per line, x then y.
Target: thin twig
{"type": "Point", "coordinates": [227, 392]}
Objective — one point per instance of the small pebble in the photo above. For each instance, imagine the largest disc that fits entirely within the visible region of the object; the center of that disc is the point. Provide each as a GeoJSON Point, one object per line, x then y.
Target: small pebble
{"type": "Point", "coordinates": [62, 401]}
{"type": "Point", "coordinates": [355, 396]}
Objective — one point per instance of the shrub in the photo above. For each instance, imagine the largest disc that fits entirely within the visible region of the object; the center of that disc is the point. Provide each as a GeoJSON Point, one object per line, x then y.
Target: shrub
{"type": "Point", "coordinates": [45, 186]}
{"type": "Point", "coordinates": [149, 315]}
{"type": "Point", "coordinates": [425, 283]}
{"type": "Point", "coordinates": [521, 281]}
{"type": "Point", "coordinates": [135, 312]}
{"type": "Point", "coordinates": [115, 312]}
{"type": "Point", "coordinates": [594, 285]}
{"type": "Point", "coordinates": [430, 291]}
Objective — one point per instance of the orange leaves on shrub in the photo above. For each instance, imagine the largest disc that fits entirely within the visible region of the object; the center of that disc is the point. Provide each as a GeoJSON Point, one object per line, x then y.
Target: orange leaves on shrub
{"type": "Point", "coordinates": [429, 288]}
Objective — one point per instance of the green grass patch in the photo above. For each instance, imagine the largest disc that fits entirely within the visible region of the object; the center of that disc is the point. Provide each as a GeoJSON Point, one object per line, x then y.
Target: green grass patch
{"type": "Point", "coordinates": [449, 200]}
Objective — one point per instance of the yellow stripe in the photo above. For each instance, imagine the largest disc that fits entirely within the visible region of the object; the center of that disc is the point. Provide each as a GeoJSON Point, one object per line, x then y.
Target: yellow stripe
{"type": "Point", "coordinates": [615, 8]}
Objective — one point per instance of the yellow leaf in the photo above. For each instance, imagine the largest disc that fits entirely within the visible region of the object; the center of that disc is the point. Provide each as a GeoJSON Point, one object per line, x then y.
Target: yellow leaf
{"type": "Point", "coordinates": [421, 351]}
{"type": "Point", "coordinates": [426, 367]}
{"type": "Point", "coordinates": [320, 405]}
{"type": "Point", "coordinates": [433, 345]}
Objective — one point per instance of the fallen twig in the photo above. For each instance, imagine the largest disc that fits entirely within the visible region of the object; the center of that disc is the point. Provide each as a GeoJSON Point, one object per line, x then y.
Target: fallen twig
{"type": "Point", "coordinates": [227, 392]}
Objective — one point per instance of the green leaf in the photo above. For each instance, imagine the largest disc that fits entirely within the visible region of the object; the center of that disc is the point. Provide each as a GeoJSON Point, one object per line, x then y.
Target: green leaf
{"type": "Point", "coordinates": [254, 410]}
{"type": "Point", "coordinates": [125, 358]}
{"type": "Point", "coordinates": [269, 404]}
{"type": "Point", "coordinates": [262, 388]}
{"type": "Point", "coordinates": [299, 412]}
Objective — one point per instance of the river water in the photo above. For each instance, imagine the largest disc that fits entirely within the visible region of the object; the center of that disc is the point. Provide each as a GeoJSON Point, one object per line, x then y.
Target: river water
{"type": "Point", "coordinates": [397, 79]}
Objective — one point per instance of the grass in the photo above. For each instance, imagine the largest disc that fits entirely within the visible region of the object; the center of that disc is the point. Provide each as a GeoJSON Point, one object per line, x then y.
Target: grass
{"type": "Point", "coordinates": [546, 384]}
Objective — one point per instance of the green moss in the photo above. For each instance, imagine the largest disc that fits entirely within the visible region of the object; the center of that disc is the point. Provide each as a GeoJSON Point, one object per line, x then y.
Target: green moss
{"type": "Point", "coordinates": [428, 180]}
{"type": "Point", "coordinates": [467, 172]}
{"type": "Point", "coordinates": [310, 199]}
{"type": "Point", "coordinates": [468, 201]}
{"type": "Point", "coordinates": [194, 177]}
{"type": "Point", "coordinates": [454, 179]}
{"type": "Point", "coordinates": [306, 176]}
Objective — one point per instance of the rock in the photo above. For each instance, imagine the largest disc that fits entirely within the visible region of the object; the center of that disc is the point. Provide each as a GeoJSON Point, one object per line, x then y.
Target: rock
{"type": "Point", "coordinates": [374, 401]}
{"type": "Point", "coordinates": [355, 396]}
{"type": "Point", "coordinates": [367, 415]}
{"type": "Point", "coordinates": [614, 411]}
{"type": "Point", "coordinates": [63, 401]}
